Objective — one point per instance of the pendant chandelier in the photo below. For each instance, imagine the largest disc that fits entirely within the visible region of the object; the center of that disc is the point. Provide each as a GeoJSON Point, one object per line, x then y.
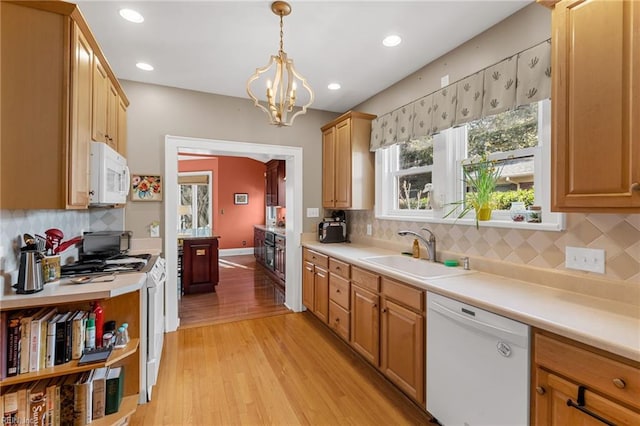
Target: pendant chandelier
{"type": "Point", "coordinates": [282, 82]}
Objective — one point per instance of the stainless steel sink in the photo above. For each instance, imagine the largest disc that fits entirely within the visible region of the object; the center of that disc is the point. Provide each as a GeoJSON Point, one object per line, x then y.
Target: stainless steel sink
{"type": "Point", "coordinates": [418, 268]}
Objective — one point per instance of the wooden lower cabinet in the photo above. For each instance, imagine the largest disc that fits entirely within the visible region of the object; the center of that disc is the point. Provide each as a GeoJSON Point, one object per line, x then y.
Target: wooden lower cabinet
{"type": "Point", "coordinates": [315, 284]}
{"type": "Point", "coordinates": [199, 265]}
{"type": "Point", "coordinates": [365, 323]}
{"type": "Point", "coordinates": [402, 357]}
{"type": "Point", "coordinates": [321, 294]}
{"type": "Point", "coordinates": [577, 385]}
{"type": "Point", "coordinates": [339, 320]}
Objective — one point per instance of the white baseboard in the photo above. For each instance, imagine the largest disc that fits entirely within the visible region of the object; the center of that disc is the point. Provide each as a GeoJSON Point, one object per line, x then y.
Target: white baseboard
{"type": "Point", "coordinates": [235, 252]}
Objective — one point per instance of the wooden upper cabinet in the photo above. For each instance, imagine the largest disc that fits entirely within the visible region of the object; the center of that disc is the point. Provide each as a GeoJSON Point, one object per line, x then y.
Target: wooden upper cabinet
{"type": "Point", "coordinates": [100, 91]}
{"type": "Point", "coordinates": [595, 98]}
{"type": "Point", "coordinates": [275, 183]}
{"type": "Point", "coordinates": [79, 148]}
{"type": "Point", "coordinates": [107, 108]}
{"type": "Point", "coordinates": [47, 105]}
{"type": "Point", "coordinates": [347, 164]}
{"type": "Point", "coordinates": [122, 126]}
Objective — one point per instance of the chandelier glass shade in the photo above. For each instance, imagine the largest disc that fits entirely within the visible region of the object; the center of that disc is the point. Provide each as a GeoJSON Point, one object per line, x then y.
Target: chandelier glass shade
{"type": "Point", "coordinates": [284, 93]}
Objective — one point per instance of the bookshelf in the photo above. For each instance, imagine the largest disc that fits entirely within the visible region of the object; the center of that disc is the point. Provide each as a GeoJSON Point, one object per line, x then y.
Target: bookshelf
{"type": "Point", "coordinates": [124, 305]}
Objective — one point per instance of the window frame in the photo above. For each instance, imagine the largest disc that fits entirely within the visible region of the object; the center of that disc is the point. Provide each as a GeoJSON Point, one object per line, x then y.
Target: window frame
{"type": "Point", "coordinates": [449, 152]}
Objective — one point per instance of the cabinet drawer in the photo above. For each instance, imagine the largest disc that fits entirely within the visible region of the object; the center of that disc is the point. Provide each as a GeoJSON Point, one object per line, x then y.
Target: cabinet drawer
{"type": "Point", "coordinates": [339, 290]}
{"type": "Point", "coordinates": [316, 258]}
{"type": "Point", "coordinates": [594, 371]}
{"type": "Point", "coordinates": [339, 320]}
{"type": "Point", "coordinates": [365, 279]}
{"type": "Point", "coordinates": [411, 297]}
{"type": "Point", "coordinates": [339, 268]}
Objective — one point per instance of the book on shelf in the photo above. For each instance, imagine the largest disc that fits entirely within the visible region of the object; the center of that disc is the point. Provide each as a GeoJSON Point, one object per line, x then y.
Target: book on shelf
{"type": "Point", "coordinates": [21, 390]}
{"type": "Point", "coordinates": [114, 390]}
{"type": "Point", "coordinates": [25, 337]}
{"type": "Point", "coordinates": [37, 337]}
{"type": "Point", "coordinates": [4, 345]}
{"type": "Point", "coordinates": [77, 334]}
{"type": "Point", "coordinates": [82, 400]}
{"type": "Point", "coordinates": [51, 340]}
{"type": "Point", "coordinates": [37, 402]}
{"type": "Point", "coordinates": [53, 401]}
{"type": "Point", "coordinates": [99, 383]}
{"type": "Point", "coordinates": [67, 392]}
{"type": "Point", "coordinates": [60, 349]}
{"type": "Point", "coordinates": [10, 413]}
{"type": "Point", "coordinates": [12, 348]}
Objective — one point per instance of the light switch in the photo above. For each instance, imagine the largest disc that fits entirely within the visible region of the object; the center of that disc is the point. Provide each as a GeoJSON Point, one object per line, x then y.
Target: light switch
{"type": "Point", "coordinates": [585, 259]}
{"type": "Point", "coordinates": [313, 212]}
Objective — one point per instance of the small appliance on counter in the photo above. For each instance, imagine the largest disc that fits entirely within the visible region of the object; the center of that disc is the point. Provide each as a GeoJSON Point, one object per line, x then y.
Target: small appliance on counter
{"type": "Point", "coordinates": [333, 229]}
{"type": "Point", "coordinates": [30, 278]}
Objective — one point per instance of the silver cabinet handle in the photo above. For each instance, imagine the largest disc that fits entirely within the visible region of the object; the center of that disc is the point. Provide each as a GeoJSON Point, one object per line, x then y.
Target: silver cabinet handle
{"type": "Point", "coordinates": [619, 383]}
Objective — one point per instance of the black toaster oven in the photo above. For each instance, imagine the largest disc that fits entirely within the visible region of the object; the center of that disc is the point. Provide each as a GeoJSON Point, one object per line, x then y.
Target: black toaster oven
{"type": "Point", "coordinates": [332, 231]}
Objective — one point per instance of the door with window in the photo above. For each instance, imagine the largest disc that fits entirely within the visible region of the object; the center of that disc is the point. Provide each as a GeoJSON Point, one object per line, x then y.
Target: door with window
{"type": "Point", "coordinates": [194, 210]}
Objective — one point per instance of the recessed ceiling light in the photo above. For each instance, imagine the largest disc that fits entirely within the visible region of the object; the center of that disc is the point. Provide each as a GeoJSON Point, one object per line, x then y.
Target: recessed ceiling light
{"type": "Point", "coordinates": [392, 40]}
{"type": "Point", "coordinates": [334, 86]}
{"type": "Point", "coordinates": [144, 66]}
{"type": "Point", "coordinates": [131, 15]}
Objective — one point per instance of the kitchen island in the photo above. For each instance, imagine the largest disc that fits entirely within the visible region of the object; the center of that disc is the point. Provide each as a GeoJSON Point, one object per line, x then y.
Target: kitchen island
{"type": "Point", "coordinates": [198, 264]}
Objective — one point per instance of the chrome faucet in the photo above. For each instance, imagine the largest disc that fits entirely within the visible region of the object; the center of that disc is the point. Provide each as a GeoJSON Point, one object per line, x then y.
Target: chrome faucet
{"type": "Point", "coordinates": [430, 244]}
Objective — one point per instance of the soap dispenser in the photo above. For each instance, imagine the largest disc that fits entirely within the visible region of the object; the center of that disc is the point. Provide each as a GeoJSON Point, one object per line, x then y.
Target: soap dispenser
{"type": "Point", "coordinates": [416, 249]}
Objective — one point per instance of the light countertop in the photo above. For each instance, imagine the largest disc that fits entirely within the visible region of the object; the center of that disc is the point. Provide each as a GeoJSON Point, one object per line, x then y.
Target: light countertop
{"type": "Point", "coordinates": [280, 230]}
{"type": "Point", "coordinates": [606, 324]}
{"type": "Point", "coordinates": [64, 291]}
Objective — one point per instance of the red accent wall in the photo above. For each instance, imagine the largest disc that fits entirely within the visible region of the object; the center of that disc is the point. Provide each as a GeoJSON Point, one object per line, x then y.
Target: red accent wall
{"type": "Point", "coordinates": [231, 175]}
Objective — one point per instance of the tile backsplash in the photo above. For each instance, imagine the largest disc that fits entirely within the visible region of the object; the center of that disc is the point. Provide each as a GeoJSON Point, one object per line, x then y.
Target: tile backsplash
{"type": "Point", "coordinates": [15, 223]}
{"type": "Point", "coordinates": [618, 235]}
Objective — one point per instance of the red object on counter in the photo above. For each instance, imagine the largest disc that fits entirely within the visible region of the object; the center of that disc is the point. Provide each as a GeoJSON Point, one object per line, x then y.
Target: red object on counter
{"type": "Point", "coordinates": [99, 312]}
{"type": "Point", "coordinates": [66, 244]}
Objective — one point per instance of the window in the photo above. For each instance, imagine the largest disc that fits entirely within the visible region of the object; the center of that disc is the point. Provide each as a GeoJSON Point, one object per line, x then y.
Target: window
{"type": "Point", "coordinates": [421, 180]}
{"type": "Point", "coordinates": [194, 210]}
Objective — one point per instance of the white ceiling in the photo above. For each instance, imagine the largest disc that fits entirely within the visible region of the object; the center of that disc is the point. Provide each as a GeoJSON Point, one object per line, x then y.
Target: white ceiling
{"type": "Point", "coordinates": [214, 46]}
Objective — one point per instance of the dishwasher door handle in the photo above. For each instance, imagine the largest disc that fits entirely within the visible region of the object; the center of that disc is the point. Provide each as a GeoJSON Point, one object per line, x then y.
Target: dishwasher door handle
{"type": "Point", "coordinates": [465, 319]}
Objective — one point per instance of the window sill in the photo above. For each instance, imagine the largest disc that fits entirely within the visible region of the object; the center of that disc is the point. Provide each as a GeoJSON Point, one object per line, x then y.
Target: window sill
{"type": "Point", "coordinates": [494, 223]}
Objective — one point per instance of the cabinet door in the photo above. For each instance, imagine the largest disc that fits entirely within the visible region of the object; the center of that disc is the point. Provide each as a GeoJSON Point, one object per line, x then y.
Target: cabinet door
{"type": "Point", "coordinates": [365, 314]}
{"type": "Point", "coordinates": [82, 77]}
{"type": "Point", "coordinates": [342, 191]}
{"type": "Point", "coordinates": [122, 127]}
{"type": "Point", "coordinates": [328, 167]}
{"type": "Point", "coordinates": [282, 183]}
{"type": "Point", "coordinates": [321, 294]}
{"type": "Point", "coordinates": [402, 356]}
{"type": "Point", "coordinates": [100, 95]}
{"type": "Point", "coordinates": [200, 265]}
{"type": "Point", "coordinates": [308, 291]}
{"type": "Point", "coordinates": [596, 131]}
{"type": "Point", "coordinates": [553, 396]}
{"type": "Point", "coordinates": [112, 116]}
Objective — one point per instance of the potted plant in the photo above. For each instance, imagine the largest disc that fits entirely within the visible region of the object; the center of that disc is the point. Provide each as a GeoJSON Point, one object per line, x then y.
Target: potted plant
{"type": "Point", "coordinates": [481, 176]}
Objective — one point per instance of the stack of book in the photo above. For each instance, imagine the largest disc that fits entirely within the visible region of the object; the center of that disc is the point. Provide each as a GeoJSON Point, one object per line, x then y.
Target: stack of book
{"type": "Point", "coordinates": [76, 399]}
{"type": "Point", "coordinates": [34, 339]}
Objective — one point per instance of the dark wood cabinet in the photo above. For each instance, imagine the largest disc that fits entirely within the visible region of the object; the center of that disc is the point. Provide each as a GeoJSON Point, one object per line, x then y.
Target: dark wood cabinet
{"type": "Point", "coordinates": [280, 255]}
{"type": "Point", "coordinates": [258, 245]}
{"type": "Point", "coordinates": [275, 187]}
{"type": "Point", "coordinates": [199, 265]}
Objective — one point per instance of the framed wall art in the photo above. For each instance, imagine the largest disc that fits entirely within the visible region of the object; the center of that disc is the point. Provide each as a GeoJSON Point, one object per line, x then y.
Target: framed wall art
{"type": "Point", "coordinates": [146, 187]}
{"type": "Point", "coordinates": [240, 198]}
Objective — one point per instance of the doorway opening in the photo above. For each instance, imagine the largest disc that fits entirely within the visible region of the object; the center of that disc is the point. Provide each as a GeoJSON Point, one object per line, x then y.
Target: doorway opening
{"type": "Point", "coordinates": [262, 152]}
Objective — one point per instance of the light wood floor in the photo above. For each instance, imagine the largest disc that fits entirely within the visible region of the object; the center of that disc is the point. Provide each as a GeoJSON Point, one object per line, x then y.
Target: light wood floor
{"type": "Point", "coordinates": [280, 370]}
{"type": "Point", "coordinates": [244, 291]}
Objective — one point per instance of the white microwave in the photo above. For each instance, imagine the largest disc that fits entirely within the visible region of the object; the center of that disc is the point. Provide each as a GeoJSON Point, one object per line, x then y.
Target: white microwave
{"type": "Point", "coordinates": [109, 176]}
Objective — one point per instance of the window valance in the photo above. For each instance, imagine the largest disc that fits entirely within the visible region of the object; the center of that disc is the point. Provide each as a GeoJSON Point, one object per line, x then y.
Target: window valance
{"type": "Point", "coordinates": [518, 80]}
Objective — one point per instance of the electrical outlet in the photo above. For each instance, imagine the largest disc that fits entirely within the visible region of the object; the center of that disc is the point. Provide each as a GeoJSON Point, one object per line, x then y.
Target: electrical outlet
{"type": "Point", "coordinates": [585, 259]}
{"type": "Point", "coordinates": [313, 212]}
{"type": "Point", "coordinates": [244, 243]}
{"type": "Point", "coordinates": [369, 229]}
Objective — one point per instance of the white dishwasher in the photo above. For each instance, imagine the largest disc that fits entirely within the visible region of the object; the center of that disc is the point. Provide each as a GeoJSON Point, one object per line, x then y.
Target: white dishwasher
{"type": "Point", "coordinates": [477, 366]}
